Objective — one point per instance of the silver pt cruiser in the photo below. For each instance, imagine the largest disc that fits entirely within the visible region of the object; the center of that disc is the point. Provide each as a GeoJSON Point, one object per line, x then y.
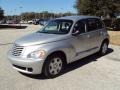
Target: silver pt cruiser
{"type": "Point", "coordinates": [61, 41]}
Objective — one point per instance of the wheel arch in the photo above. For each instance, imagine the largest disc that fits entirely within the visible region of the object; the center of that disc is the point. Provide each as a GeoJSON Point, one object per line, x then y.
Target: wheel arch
{"type": "Point", "coordinates": [106, 40]}
{"type": "Point", "coordinates": [58, 52]}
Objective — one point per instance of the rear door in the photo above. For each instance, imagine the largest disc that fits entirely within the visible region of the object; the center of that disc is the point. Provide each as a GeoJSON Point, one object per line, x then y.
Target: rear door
{"type": "Point", "coordinates": [94, 32]}
{"type": "Point", "coordinates": [80, 42]}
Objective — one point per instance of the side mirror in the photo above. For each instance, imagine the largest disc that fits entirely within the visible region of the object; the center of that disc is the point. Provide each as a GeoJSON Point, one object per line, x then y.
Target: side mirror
{"type": "Point", "coordinates": [75, 33]}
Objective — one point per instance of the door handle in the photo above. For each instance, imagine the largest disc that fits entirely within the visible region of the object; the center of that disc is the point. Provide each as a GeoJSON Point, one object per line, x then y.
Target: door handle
{"type": "Point", "coordinates": [88, 36]}
{"type": "Point", "coordinates": [101, 32]}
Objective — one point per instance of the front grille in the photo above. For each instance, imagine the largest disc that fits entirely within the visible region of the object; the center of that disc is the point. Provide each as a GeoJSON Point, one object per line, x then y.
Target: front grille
{"type": "Point", "coordinates": [17, 50]}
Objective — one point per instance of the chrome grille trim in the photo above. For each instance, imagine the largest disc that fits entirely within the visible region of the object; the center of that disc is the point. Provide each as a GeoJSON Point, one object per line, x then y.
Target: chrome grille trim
{"type": "Point", "coordinates": [17, 50]}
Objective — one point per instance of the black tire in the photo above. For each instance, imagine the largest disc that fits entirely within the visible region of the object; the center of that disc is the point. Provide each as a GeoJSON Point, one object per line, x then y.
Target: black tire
{"type": "Point", "coordinates": [104, 48]}
{"type": "Point", "coordinates": [47, 66]}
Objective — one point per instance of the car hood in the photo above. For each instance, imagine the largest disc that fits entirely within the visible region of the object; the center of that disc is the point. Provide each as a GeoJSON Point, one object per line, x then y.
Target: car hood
{"type": "Point", "coordinates": [39, 38]}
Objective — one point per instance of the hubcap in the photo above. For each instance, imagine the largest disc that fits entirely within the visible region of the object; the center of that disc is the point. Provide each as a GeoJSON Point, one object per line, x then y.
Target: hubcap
{"type": "Point", "coordinates": [55, 66]}
{"type": "Point", "coordinates": [104, 48]}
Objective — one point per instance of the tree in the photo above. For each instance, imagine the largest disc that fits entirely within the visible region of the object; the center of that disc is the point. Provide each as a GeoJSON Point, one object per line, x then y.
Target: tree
{"type": "Point", "coordinates": [67, 13]}
{"type": "Point", "coordinates": [28, 16]}
{"type": "Point", "coordinates": [33, 15]}
{"type": "Point", "coordinates": [1, 13]}
{"type": "Point", "coordinates": [41, 15]}
{"type": "Point", "coordinates": [97, 7]}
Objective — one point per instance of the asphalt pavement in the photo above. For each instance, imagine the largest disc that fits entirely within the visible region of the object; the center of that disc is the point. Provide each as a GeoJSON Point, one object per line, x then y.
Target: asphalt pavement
{"type": "Point", "coordinates": [91, 73]}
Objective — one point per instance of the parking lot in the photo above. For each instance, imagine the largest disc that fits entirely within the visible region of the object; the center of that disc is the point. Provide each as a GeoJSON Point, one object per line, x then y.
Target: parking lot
{"type": "Point", "coordinates": [91, 73]}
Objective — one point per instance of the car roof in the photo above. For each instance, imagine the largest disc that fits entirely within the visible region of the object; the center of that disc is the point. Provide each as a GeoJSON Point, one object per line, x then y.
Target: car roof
{"type": "Point", "coordinates": [76, 18]}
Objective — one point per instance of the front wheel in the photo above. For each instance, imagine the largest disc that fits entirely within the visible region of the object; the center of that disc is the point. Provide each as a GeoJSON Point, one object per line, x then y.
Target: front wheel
{"type": "Point", "coordinates": [53, 66]}
{"type": "Point", "coordinates": [104, 48]}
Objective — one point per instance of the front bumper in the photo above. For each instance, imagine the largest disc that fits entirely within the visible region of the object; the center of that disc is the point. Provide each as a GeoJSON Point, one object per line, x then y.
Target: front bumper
{"type": "Point", "coordinates": [29, 66]}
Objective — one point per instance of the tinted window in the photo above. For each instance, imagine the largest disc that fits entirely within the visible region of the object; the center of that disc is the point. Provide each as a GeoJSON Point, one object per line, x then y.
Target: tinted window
{"type": "Point", "coordinates": [91, 25]}
{"type": "Point", "coordinates": [99, 24]}
{"type": "Point", "coordinates": [94, 24]}
{"type": "Point", "coordinates": [80, 26]}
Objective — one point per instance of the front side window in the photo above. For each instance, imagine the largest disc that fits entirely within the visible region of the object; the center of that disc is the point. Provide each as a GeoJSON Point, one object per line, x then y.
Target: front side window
{"type": "Point", "coordinates": [57, 27]}
{"type": "Point", "coordinates": [80, 27]}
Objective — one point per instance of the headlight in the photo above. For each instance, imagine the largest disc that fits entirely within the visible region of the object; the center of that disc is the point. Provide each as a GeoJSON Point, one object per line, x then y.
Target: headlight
{"type": "Point", "coordinates": [37, 54]}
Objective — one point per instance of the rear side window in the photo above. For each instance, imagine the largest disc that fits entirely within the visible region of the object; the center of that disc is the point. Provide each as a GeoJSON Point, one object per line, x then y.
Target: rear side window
{"type": "Point", "coordinates": [99, 24]}
{"type": "Point", "coordinates": [94, 24]}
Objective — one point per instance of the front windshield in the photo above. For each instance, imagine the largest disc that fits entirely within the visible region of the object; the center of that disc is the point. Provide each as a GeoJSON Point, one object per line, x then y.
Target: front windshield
{"type": "Point", "coordinates": [57, 27]}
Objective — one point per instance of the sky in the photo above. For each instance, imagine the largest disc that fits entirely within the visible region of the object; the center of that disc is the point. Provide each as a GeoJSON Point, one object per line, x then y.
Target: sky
{"type": "Point", "coordinates": [15, 7]}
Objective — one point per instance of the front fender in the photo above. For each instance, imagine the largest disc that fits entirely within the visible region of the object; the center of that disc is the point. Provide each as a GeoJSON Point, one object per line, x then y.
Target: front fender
{"type": "Point", "coordinates": [63, 46]}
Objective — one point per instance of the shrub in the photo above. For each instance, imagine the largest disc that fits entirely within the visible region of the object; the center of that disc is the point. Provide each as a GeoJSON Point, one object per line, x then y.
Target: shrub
{"type": "Point", "coordinates": [116, 24]}
{"type": "Point", "coordinates": [107, 22]}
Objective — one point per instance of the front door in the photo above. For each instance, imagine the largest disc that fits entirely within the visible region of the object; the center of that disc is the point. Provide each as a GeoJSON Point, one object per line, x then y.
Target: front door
{"type": "Point", "coordinates": [80, 41]}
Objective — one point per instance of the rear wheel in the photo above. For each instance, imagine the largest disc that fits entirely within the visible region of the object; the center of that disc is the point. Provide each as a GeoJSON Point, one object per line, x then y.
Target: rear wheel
{"type": "Point", "coordinates": [53, 66]}
{"type": "Point", "coordinates": [104, 48]}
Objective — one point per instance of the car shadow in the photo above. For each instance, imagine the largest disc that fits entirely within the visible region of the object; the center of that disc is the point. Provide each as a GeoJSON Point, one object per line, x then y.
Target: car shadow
{"type": "Point", "coordinates": [21, 27]}
{"type": "Point", "coordinates": [72, 66]}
